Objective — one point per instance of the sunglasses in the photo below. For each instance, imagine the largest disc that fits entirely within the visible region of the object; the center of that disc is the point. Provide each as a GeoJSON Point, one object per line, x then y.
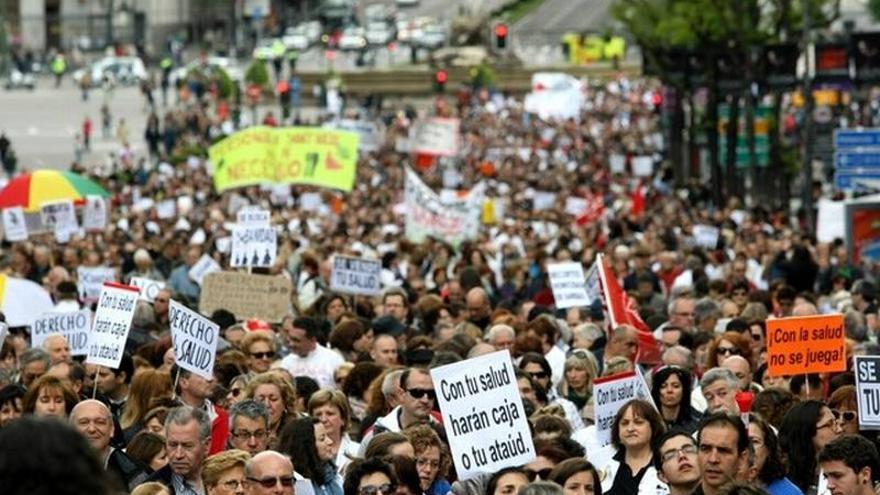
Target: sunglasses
{"type": "Point", "coordinates": [272, 482]}
{"type": "Point", "coordinates": [386, 489]}
{"type": "Point", "coordinates": [263, 355]}
{"type": "Point", "coordinates": [235, 392]}
{"type": "Point", "coordinates": [418, 393]}
{"type": "Point", "coordinates": [845, 416]}
{"type": "Point", "coordinates": [730, 351]}
{"type": "Point", "coordinates": [541, 474]}
{"type": "Point", "coordinates": [540, 375]}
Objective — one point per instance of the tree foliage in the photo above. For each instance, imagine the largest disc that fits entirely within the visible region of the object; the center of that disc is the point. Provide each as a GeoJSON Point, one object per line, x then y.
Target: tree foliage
{"type": "Point", "coordinates": [873, 7]}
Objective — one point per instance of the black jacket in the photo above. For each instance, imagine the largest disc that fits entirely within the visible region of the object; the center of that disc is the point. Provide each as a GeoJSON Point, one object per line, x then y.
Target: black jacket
{"type": "Point", "coordinates": [126, 470]}
{"type": "Point", "coordinates": [163, 476]}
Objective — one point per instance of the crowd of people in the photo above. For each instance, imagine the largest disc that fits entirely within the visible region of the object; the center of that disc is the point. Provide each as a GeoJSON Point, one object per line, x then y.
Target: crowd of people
{"type": "Point", "coordinates": [337, 398]}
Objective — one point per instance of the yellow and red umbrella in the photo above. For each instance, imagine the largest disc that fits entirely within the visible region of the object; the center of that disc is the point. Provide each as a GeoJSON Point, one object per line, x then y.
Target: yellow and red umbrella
{"type": "Point", "coordinates": [34, 189]}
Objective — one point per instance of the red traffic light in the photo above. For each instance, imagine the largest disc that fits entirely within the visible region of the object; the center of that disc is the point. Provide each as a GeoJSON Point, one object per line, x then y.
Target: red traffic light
{"type": "Point", "coordinates": [501, 30]}
{"type": "Point", "coordinates": [441, 76]}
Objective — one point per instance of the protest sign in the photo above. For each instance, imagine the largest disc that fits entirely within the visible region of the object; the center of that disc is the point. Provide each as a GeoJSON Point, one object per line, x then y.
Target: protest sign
{"type": "Point", "coordinates": [94, 213]}
{"type": "Point", "coordinates": [867, 370]}
{"type": "Point", "coordinates": [149, 288]}
{"type": "Point", "coordinates": [483, 414]}
{"type": "Point", "coordinates": [543, 200]}
{"type": "Point", "coordinates": [247, 296]}
{"type": "Point", "coordinates": [593, 283]}
{"type": "Point", "coordinates": [14, 226]}
{"type": "Point", "coordinates": [111, 324]}
{"type": "Point", "coordinates": [203, 267]}
{"type": "Point", "coordinates": [555, 95]}
{"type": "Point", "coordinates": [4, 331]}
{"type": "Point", "coordinates": [368, 131]}
{"type": "Point", "coordinates": [253, 245]}
{"type": "Point", "coordinates": [610, 393]}
{"type": "Point", "coordinates": [166, 209]}
{"type": "Point", "coordinates": [706, 236]}
{"type": "Point", "coordinates": [575, 205]}
{"type": "Point", "coordinates": [59, 217]}
{"type": "Point", "coordinates": [356, 276]}
{"type": "Point", "coordinates": [436, 136]}
{"type": "Point", "coordinates": [73, 325]}
{"type": "Point", "coordinates": [253, 217]}
{"type": "Point", "coordinates": [617, 163]}
{"type": "Point", "coordinates": [90, 280]}
{"type": "Point", "coordinates": [194, 338]}
{"type": "Point", "coordinates": [831, 220]}
{"type": "Point", "coordinates": [642, 166]}
{"type": "Point", "coordinates": [806, 344]}
{"type": "Point", "coordinates": [568, 284]}
{"type": "Point", "coordinates": [426, 215]}
{"type": "Point", "coordinates": [285, 155]}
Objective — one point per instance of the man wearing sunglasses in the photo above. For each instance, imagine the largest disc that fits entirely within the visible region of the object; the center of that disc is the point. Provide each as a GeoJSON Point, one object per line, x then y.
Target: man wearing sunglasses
{"type": "Point", "coordinates": [416, 405]}
{"type": "Point", "coordinates": [269, 473]}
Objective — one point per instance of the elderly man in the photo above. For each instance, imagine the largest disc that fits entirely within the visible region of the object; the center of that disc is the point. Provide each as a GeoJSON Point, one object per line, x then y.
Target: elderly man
{"type": "Point", "coordinates": [195, 391]}
{"type": "Point", "coordinates": [624, 342]}
{"type": "Point", "coordinates": [249, 426]}
{"type": "Point", "coordinates": [33, 363]}
{"type": "Point", "coordinates": [57, 347]}
{"type": "Point", "coordinates": [95, 421]}
{"type": "Point", "coordinates": [501, 337]}
{"type": "Point", "coordinates": [270, 473]}
{"type": "Point", "coordinates": [478, 307]}
{"type": "Point", "coordinates": [742, 370]}
{"type": "Point", "coordinates": [719, 386]}
{"type": "Point", "coordinates": [187, 440]}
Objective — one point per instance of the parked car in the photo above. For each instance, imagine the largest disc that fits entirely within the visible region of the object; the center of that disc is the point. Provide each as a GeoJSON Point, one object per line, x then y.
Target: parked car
{"type": "Point", "coordinates": [17, 79]}
{"type": "Point", "coordinates": [409, 30]}
{"type": "Point", "coordinates": [432, 36]}
{"type": "Point", "coordinates": [296, 38]}
{"type": "Point", "coordinates": [379, 33]}
{"type": "Point", "coordinates": [121, 70]}
{"type": "Point", "coordinates": [353, 38]}
{"type": "Point", "coordinates": [209, 66]}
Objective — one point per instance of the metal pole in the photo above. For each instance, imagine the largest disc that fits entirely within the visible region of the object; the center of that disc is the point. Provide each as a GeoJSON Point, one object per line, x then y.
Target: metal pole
{"type": "Point", "coordinates": [807, 166]}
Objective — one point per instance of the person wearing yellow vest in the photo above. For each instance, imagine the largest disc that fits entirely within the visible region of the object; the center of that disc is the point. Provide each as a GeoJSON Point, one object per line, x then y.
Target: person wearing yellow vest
{"type": "Point", "coordinates": [58, 67]}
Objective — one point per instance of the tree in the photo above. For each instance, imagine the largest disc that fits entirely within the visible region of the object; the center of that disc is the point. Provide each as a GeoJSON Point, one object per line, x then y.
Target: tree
{"type": "Point", "coordinates": [873, 7]}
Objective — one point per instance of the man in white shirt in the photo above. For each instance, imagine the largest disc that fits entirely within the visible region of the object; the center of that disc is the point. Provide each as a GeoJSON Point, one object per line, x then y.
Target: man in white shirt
{"type": "Point", "coordinates": [307, 357]}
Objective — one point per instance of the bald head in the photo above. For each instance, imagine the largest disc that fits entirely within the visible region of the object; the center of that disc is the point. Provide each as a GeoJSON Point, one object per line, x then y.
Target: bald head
{"type": "Point", "coordinates": [477, 302]}
{"type": "Point", "coordinates": [269, 464]}
{"type": "Point", "coordinates": [740, 367]}
{"type": "Point", "coordinates": [95, 422]}
{"type": "Point", "coordinates": [804, 309]}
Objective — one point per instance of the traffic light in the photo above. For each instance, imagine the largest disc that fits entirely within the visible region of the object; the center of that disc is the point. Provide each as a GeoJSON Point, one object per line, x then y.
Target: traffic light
{"type": "Point", "coordinates": [440, 78]}
{"type": "Point", "coordinates": [501, 36]}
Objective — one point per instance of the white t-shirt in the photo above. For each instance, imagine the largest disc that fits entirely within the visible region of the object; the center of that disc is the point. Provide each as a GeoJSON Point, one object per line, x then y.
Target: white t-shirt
{"type": "Point", "coordinates": [319, 365]}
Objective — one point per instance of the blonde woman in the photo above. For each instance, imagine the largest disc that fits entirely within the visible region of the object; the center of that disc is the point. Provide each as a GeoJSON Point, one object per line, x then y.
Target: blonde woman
{"type": "Point", "coordinates": [224, 474]}
{"type": "Point", "coordinates": [577, 383]}
{"type": "Point", "coordinates": [279, 396]}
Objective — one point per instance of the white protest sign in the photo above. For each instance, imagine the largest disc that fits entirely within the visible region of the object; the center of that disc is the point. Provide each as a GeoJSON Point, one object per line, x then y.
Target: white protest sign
{"type": "Point", "coordinates": [90, 280]}
{"type": "Point", "coordinates": [194, 338]}
{"type": "Point", "coordinates": [4, 331]}
{"type": "Point", "coordinates": [253, 245]}
{"type": "Point", "coordinates": [831, 221]}
{"type": "Point", "coordinates": [483, 414]}
{"type": "Point", "coordinates": [642, 166]}
{"type": "Point", "coordinates": [223, 244]}
{"type": "Point", "coordinates": [14, 226]}
{"type": "Point", "coordinates": [617, 163]}
{"type": "Point", "coordinates": [59, 217]}
{"type": "Point", "coordinates": [706, 236]}
{"type": "Point", "coordinates": [356, 276]}
{"type": "Point", "coordinates": [149, 288]}
{"type": "Point", "coordinates": [575, 205]}
{"type": "Point", "coordinates": [435, 136]}
{"type": "Point", "coordinates": [74, 326]}
{"type": "Point", "coordinates": [868, 391]}
{"type": "Point", "coordinates": [592, 284]}
{"type": "Point", "coordinates": [166, 209]}
{"type": "Point", "coordinates": [610, 393]}
{"type": "Point", "coordinates": [253, 216]}
{"type": "Point", "coordinates": [94, 213]}
{"type": "Point", "coordinates": [568, 284]}
{"type": "Point", "coordinates": [543, 200]}
{"type": "Point", "coordinates": [204, 266]}
{"type": "Point", "coordinates": [111, 324]}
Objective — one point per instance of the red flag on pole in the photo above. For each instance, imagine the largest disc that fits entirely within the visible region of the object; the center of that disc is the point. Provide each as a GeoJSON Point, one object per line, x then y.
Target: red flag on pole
{"type": "Point", "coordinates": [623, 310]}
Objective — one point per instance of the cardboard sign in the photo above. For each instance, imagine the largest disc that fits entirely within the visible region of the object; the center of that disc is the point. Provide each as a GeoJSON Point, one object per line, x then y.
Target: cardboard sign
{"type": "Point", "coordinates": [194, 338]}
{"type": "Point", "coordinates": [356, 276]}
{"type": "Point", "coordinates": [247, 296]}
{"type": "Point", "coordinates": [253, 217]}
{"type": "Point", "coordinates": [111, 325]}
{"type": "Point", "coordinates": [610, 393]}
{"type": "Point", "coordinates": [706, 236]}
{"type": "Point", "coordinates": [483, 414]}
{"type": "Point", "coordinates": [203, 267]}
{"type": "Point", "coordinates": [90, 281]}
{"type": "Point", "coordinates": [14, 226]}
{"type": "Point", "coordinates": [867, 370]}
{"type": "Point", "coordinates": [74, 326]}
{"type": "Point", "coordinates": [437, 136]}
{"type": "Point", "coordinates": [94, 213]}
{"type": "Point", "coordinates": [149, 288]}
{"type": "Point", "coordinates": [808, 344]}
{"type": "Point", "coordinates": [59, 217]}
{"type": "Point", "coordinates": [253, 246]}
{"type": "Point", "coordinates": [568, 284]}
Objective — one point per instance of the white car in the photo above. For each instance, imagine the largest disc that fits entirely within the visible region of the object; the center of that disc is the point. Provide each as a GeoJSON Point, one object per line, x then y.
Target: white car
{"type": "Point", "coordinates": [121, 70]}
{"type": "Point", "coordinates": [379, 33]}
{"type": "Point", "coordinates": [433, 36]}
{"type": "Point", "coordinates": [296, 38]}
{"type": "Point", "coordinates": [313, 31]}
{"type": "Point", "coordinates": [410, 30]}
{"type": "Point", "coordinates": [209, 65]}
{"type": "Point", "coordinates": [353, 38]}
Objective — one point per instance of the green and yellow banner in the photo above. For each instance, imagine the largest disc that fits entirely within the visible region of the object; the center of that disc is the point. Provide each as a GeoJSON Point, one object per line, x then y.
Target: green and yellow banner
{"type": "Point", "coordinates": [286, 155]}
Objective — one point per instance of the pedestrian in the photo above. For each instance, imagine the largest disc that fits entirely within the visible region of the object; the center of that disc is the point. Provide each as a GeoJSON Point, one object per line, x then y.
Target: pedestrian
{"type": "Point", "coordinates": [87, 133]}
{"type": "Point", "coordinates": [5, 145]}
{"type": "Point", "coordinates": [106, 121]}
{"type": "Point", "coordinates": [58, 66]}
{"type": "Point", "coordinates": [122, 132]}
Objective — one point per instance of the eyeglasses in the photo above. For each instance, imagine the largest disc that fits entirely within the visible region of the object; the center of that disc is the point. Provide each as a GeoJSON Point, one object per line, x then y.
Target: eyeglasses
{"type": "Point", "coordinates": [674, 453]}
{"type": "Point", "coordinates": [428, 463]}
{"type": "Point", "coordinates": [232, 484]}
{"type": "Point", "coordinates": [263, 355]}
{"type": "Point", "coordinates": [541, 474]}
{"type": "Point", "coordinates": [272, 482]}
{"type": "Point", "coordinates": [540, 375]}
{"type": "Point", "coordinates": [418, 393]}
{"type": "Point", "coordinates": [386, 489]}
{"type": "Point", "coordinates": [730, 351]}
{"type": "Point", "coordinates": [845, 416]}
{"type": "Point", "coordinates": [244, 434]}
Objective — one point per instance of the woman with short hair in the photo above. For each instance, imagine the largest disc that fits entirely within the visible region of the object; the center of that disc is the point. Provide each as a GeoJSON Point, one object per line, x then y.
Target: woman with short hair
{"type": "Point", "coordinates": [432, 459]}
{"type": "Point", "coordinates": [49, 396]}
{"type": "Point", "coordinates": [224, 473]}
{"type": "Point", "coordinates": [330, 407]}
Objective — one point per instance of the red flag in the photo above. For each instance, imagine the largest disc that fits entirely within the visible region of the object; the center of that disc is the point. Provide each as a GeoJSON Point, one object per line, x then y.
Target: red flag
{"type": "Point", "coordinates": [638, 200]}
{"type": "Point", "coordinates": [623, 310]}
{"type": "Point", "coordinates": [594, 212]}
